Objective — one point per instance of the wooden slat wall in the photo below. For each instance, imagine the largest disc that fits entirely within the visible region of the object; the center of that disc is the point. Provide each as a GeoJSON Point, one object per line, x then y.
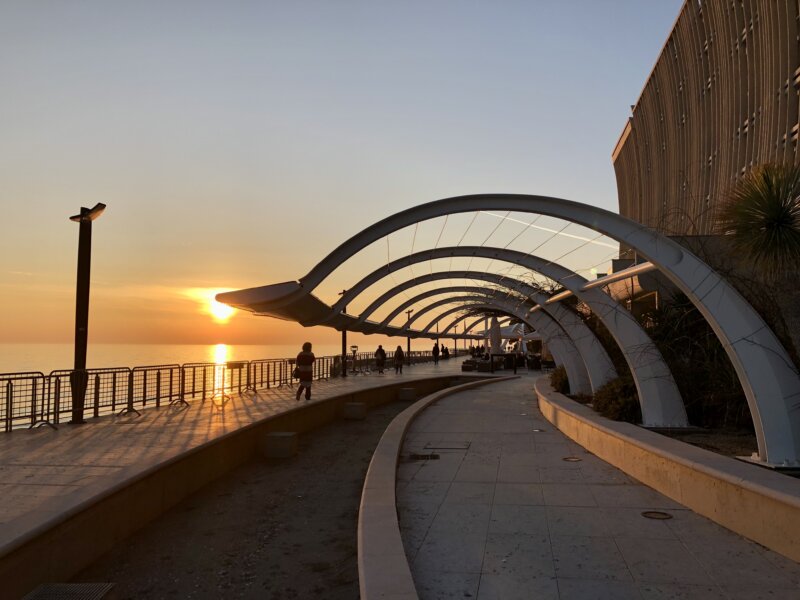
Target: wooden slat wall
{"type": "Point", "coordinates": [722, 97]}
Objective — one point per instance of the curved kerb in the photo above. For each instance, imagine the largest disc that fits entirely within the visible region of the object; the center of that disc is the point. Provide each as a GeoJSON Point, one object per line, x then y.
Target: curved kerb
{"type": "Point", "coordinates": [658, 394]}
{"type": "Point", "coordinates": [768, 377]}
{"type": "Point", "coordinates": [383, 570]}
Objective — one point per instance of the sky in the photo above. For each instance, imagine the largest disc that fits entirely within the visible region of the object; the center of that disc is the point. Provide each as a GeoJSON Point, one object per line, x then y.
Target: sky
{"type": "Point", "coordinates": [235, 144]}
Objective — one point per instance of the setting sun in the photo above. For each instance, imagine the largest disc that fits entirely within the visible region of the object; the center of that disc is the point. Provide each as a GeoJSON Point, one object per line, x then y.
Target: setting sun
{"type": "Point", "coordinates": [205, 297]}
{"type": "Point", "coordinates": [220, 312]}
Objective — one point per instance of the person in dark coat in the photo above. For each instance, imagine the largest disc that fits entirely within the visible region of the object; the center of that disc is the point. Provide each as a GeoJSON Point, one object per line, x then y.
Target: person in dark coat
{"type": "Point", "coordinates": [305, 371]}
{"type": "Point", "coordinates": [435, 352]}
{"type": "Point", "coordinates": [399, 359]}
{"type": "Point", "coordinates": [380, 359]}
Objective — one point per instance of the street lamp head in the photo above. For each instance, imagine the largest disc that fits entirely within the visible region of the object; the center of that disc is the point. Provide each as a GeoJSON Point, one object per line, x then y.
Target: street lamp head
{"type": "Point", "coordinates": [89, 214]}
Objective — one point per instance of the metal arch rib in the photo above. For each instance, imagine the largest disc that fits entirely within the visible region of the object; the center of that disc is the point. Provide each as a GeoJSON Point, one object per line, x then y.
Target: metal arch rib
{"type": "Point", "coordinates": [561, 345]}
{"type": "Point", "coordinates": [437, 276]}
{"type": "Point", "coordinates": [659, 397]}
{"type": "Point", "coordinates": [597, 362]}
{"type": "Point", "coordinates": [550, 330]}
{"type": "Point", "coordinates": [770, 381]}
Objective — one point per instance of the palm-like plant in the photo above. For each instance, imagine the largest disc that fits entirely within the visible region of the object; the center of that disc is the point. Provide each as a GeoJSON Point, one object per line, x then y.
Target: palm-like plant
{"type": "Point", "coordinates": [762, 216]}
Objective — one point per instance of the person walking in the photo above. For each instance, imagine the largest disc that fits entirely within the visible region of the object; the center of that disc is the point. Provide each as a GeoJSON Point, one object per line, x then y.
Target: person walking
{"type": "Point", "coordinates": [380, 359]}
{"type": "Point", "coordinates": [435, 352]}
{"type": "Point", "coordinates": [305, 371]}
{"type": "Point", "coordinates": [399, 359]}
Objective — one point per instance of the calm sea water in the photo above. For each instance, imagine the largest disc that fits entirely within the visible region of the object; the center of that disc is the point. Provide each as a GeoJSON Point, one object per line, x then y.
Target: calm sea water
{"type": "Point", "coordinates": [48, 357]}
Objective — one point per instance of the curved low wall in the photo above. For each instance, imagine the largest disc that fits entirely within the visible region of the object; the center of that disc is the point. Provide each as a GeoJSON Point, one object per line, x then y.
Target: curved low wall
{"type": "Point", "coordinates": [36, 549]}
{"type": "Point", "coordinates": [752, 501]}
{"type": "Point", "coordinates": [383, 570]}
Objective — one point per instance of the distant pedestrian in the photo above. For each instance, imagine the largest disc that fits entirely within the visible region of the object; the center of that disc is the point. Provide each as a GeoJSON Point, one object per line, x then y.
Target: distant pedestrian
{"type": "Point", "coordinates": [305, 371]}
{"type": "Point", "coordinates": [399, 359]}
{"type": "Point", "coordinates": [445, 352]}
{"type": "Point", "coordinates": [380, 359]}
{"type": "Point", "coordinates": [435, 352]}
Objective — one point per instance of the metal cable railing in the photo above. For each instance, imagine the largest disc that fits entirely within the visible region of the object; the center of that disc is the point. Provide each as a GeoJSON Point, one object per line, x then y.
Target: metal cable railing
{"type": "Point", "coordinates": [30, 399]}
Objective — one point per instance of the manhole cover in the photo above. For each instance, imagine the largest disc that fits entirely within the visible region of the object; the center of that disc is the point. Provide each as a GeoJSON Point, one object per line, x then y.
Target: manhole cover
{"type": "Point", "coordinates": [656, 514]}
{"type": "Point", "coordinates": [572, 459]}
{"type": "Point", "coordinates": [423, 456]}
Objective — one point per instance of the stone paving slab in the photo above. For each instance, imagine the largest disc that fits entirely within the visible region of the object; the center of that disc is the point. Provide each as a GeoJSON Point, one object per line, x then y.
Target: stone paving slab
{"type": "Point", "coordinates": [43, 470]}
{"type": "Point", "coordinates": [506, 517]}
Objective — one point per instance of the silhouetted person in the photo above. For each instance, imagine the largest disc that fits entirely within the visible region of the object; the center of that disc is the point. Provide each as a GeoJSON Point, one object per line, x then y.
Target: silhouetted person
{"type": "Point", "coordinates": [445, 352]}
{"type": "Point", "coordinates": [380, 359]}
{"type": "Point", "coordinates": [399, 359]}
{"type": "Point", "coordinates": [305, 370]}
{"type": "Point", "coordinates": [435, 352]}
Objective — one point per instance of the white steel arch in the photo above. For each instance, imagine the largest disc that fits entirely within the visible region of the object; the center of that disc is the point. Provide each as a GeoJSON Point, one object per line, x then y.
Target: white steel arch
{"type": "Point", "coordinates": [659, 397]}
{"type": "Point", "coordinates": [769, 378]}
{"type": "Point", "coordinates": [598, 364]}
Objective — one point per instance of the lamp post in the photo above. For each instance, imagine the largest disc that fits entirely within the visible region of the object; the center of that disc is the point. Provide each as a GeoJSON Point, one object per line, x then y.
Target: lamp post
{"type": "Point", "coordinates": [408, 338]}
{"type": "Point", "coordinates": [78, 378]}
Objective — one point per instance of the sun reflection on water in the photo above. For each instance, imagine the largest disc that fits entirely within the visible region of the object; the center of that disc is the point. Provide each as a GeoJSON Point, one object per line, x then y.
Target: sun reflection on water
{"type": "Point", "coordinates": [220, 357]}
{"type": "Point", "coordinates": [220, 353]}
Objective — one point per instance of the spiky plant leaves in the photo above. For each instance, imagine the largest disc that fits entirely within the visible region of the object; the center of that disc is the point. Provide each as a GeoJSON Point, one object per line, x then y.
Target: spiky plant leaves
{"type": "Point", "coordinates": [762, 216]}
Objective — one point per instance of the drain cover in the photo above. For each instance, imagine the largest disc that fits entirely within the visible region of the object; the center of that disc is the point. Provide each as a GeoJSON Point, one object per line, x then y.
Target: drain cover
{"type": "Point", "coordinates": [572, 459]}
{"type": "Point", "coordinates": [656, 514]}
{"type": "Point", "coordinates": [423, 456]}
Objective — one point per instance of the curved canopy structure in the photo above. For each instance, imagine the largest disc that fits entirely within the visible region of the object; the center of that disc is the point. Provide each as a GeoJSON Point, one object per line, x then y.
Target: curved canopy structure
{"type": "Point", "coordinates": [766, 373]}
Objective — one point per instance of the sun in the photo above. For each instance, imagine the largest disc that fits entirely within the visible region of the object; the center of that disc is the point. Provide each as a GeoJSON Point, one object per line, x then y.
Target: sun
{"type": "Point", "coordinates": [219, 311]}
{"type": "Point", "coordinates": [207, 303]}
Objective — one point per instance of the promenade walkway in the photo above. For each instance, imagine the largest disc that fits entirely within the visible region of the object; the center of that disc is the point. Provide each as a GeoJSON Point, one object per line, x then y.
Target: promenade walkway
{"type": "Point", "coordinates": [45, 472]}
{"type": "Point", "coordinates": [501, 514]}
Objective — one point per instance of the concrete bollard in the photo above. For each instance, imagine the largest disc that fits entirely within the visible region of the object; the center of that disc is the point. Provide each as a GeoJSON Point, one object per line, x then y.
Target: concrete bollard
{"type": "Point", "coordinates": [279, 444]}
{"type": "Point", "coordinates": [407, 394]}
{"type": "Point", "coordinates": [356, 411]}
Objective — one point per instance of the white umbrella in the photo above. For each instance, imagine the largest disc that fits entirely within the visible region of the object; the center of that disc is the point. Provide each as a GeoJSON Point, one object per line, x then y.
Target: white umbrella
{"type": "Point", "coordinates": [495, 338]}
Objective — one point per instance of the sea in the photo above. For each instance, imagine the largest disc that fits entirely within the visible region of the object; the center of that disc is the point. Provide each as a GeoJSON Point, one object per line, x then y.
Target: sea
{"type": "Point", "coordinates": [15, 358]}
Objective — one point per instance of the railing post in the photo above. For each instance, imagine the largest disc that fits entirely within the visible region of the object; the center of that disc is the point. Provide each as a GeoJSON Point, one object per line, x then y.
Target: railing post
{"type": "Point", "coordinates": [171, 382]}
{"type": "Point", "coordinates": [96, 396]}
{"type": "Point", "coordinates": [57, 401]}
{"type": "Point", "coordinates": [9, 404]}
{"type": "Point", "coordinates": [33, 402]}
{"type": "Point", "coordinates": [114, 392]}
{"type": "Point", "coordinates": [129, 408]}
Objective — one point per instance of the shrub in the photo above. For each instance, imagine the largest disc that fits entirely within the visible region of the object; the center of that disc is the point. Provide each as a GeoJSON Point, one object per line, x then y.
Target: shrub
{"type": "Point", "coordinates": [559, 381]}
{"type": "Point", "coordinates": [618, 400]}
{"type": "Point", "coordinates": [762, 216]}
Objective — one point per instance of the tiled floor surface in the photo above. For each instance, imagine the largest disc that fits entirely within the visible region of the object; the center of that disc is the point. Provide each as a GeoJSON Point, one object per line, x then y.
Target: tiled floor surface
{"type": "Point", "coordinates": [500, 514]}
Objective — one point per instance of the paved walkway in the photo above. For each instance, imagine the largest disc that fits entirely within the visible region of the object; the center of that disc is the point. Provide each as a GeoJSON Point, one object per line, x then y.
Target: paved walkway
{"type": "Point", "coordinates": [502, 515]}
{"type": "Point", "coordinates": [47, 471]}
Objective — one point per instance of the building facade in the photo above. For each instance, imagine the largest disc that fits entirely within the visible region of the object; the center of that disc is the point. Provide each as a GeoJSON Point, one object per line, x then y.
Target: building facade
{"type": "Point", "coordinates": [722, 98]}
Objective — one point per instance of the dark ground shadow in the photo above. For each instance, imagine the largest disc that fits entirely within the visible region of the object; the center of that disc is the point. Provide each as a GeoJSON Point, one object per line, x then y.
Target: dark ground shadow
{"type": "Point", "coordinates": [268, 530]}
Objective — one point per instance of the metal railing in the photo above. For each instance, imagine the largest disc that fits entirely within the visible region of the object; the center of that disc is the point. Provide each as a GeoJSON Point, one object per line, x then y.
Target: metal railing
{"type": "Point", "coordinates": [30, 399]}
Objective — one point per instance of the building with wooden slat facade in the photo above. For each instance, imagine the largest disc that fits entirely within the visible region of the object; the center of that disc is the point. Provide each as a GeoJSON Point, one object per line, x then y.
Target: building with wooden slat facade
{"type": "Point", "coordinates": [722, 98]}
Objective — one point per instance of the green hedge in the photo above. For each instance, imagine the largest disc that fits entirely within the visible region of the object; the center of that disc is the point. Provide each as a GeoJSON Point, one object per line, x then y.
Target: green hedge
{"type": "Point", "coordinates": [559, 380]}
{"type": "Point", "coordinates": [618, 400]}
